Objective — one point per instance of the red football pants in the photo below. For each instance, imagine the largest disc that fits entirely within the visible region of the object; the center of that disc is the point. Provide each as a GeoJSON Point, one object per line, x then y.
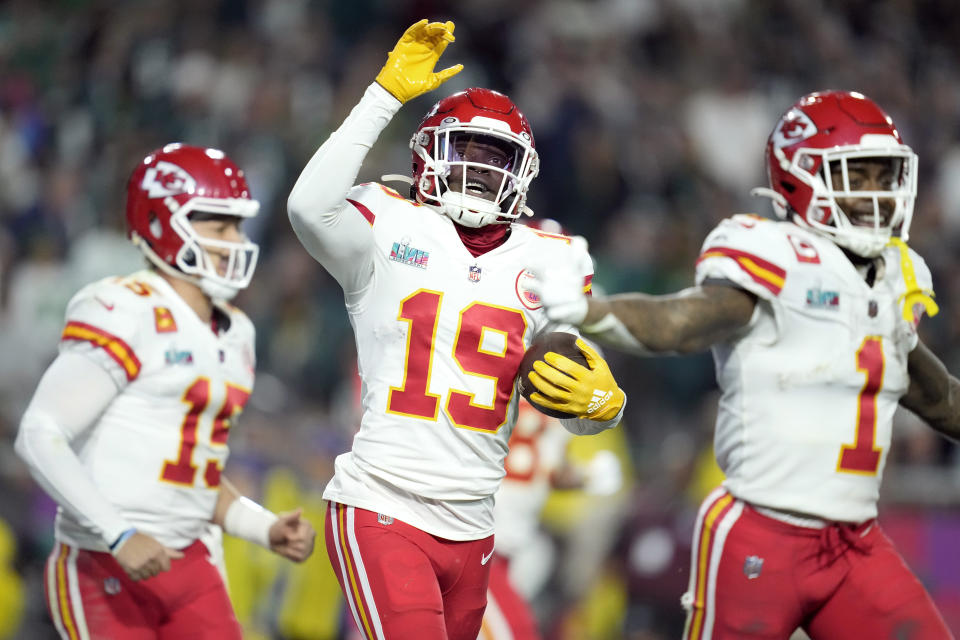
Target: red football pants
{"type": "Point", "coordinates": [90, 596]}
{"type": "Point", "coordinates": [508, 616]}
{"type": "Point", "coordinates": [753, 576]}
{"type": "Point", "coordinates": [401, 582]}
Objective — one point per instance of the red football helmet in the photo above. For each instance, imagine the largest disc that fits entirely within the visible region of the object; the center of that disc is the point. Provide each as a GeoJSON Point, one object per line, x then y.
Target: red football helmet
{"type": "Point", "coordinates": [469, 119]}
{"type": "Point", "coordinates": [170, 185]}
{"type": "Point", "coordinates": [819, 135]}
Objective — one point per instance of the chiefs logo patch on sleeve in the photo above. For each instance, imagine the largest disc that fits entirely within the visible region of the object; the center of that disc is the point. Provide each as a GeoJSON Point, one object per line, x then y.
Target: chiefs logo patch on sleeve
{"type": "Point", "coordinates": [163, 320]}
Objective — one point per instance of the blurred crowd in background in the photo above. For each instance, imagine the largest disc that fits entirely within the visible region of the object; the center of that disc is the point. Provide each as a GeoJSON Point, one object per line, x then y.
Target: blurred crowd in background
{"type": "Point", "coordinates": [650, 117]}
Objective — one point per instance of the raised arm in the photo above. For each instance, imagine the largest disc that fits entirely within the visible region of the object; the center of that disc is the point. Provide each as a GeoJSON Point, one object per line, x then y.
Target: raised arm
{"type": "Point", "coordinates": [934, 394]}
{"type": "Point", "coordinates": [328, 226]}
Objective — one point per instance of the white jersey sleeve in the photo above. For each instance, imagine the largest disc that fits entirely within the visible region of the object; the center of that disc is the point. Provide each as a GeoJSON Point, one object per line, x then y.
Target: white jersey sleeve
{"type": "Point", "coordinates": [748, 251]}
{"type": "Point", "coordinates": [102, 325]}
{"type": "Point", "coordinates": [323, 215]}
{"type": "Point", "coordinates": [62, 410]}
{"type": "Point", "coordinates": [97, 360]}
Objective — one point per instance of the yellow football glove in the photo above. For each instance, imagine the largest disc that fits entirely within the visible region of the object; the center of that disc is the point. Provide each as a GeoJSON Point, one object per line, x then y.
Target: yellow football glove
{"type": "Point", "coordinates": [408, 72]}
{"type": "Point", "coordinates": [564, 385]}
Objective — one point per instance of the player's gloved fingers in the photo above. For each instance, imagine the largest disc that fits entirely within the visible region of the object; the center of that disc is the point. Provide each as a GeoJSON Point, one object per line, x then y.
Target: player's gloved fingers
{"type": "Point", "coordinates": [548, 403]}
{"type": "Point", "coordinates": [545, 387]}
{"type": "Point", "coordinates": [444, 29]}
{"type": "Point", "coordinates": [410, 35]}
{"type": "Point", "coordinates": [561, 382]}
{"type": "Point", "coordinates": [440, 32]}
{"type": "Point", "coordinates": [562, 363]}
{"type": "Point", "coordinates": [442, 76]}
{"type": "Point", "coordinates": [593, 358]}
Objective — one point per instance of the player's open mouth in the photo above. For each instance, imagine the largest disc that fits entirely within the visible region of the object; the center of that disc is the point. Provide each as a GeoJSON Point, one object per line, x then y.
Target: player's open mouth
{"type": "Point", "coordinates": [476, 188]}
{"type": "Point", "coordinates": [863, 217]}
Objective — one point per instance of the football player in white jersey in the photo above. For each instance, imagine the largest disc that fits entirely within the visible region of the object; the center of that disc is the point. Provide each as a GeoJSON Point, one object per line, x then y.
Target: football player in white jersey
{"type": "Point", "coordinates": [438, 293]}
{"type": "Point", "coordinates": [812, 320]}
{"type": "Point", "coordinates": [128, 427]}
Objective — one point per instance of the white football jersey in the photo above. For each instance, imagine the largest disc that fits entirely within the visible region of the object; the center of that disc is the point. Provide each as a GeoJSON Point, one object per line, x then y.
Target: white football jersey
{"type": "Point", "coordinates": [809, 389]}
{"type": "Point", "coordinates": [439, 336]}
{"type": "Point", "coordinates": [158, 449]}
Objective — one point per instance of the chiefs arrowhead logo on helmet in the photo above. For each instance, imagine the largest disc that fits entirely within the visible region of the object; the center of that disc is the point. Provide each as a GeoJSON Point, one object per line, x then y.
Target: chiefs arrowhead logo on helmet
{"type": "Point", "coordinates": [794, 127]}
{"type": "Point", "coordinates": [810, 154]}
{"type": "Point", "coordinates": [164, 192]}
{"type": "Point", "coordinates": [167, 179]}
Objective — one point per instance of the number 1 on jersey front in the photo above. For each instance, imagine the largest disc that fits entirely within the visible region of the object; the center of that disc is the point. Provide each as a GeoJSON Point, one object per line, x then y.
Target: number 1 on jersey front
{"type": "Point", "coordinates": [862, 456]}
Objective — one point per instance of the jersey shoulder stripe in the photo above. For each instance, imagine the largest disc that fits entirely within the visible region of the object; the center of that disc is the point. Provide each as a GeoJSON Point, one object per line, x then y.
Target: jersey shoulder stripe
{"type": "Point", "coordinates": [750, 251]}
{"type": "Point", "coordinates": [116, 348]}
{"type": "Point", "coordinates": [371, 198]}
{"type": "Point", "coordinates": [364, 211]}
{"type": "Point", "coordinates": [763, 272]}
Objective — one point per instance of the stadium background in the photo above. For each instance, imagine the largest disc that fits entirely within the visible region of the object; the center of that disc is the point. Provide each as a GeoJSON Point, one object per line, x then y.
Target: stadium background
{"type": "Point", "coordinates": [650, 118]}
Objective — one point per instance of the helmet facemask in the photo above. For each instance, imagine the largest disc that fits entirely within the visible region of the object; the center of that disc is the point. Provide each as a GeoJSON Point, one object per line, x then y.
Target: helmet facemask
{"type": "Point", "coordinates": [860, 220]}
{"type": "Point", "coordinates": [477, 173]}
{"type": "Point", "coordinates": [194, 260]}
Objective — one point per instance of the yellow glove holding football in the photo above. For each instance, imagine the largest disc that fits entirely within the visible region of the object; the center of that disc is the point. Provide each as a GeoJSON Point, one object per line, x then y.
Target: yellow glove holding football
{"type": "Point", "coordinates": [586, 392]}
{"type": "Point", "coordinates": [408, 72]}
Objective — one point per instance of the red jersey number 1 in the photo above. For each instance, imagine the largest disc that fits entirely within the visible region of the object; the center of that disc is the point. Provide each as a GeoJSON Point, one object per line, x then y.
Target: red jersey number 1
{"type": "Point", "coordinates": [863, 456]}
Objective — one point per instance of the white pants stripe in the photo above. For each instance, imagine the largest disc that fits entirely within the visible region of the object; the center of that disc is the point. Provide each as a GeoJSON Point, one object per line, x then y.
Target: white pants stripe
{"type": "Point", "coordinates": [62, 572]}
{"type": "Point", "coordinates": [721, 528]}
{"type": "Point", "coordinates": [357, 608]}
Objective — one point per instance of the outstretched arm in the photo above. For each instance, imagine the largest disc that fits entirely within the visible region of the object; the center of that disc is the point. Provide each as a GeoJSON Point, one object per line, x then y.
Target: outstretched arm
{"type": "Point", "coordinates": [684, 322]}
{"type": "Point", "coordinates": [934, 394]}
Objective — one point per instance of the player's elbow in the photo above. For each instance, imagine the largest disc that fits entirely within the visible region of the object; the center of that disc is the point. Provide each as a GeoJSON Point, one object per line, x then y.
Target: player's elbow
{"type": "Point", "coordinates": [22, 443]}
{"type": "Point", "coordinates": [38, 433]}
{"type": "Point", "coordinates": [300, 220]}
{"type": "Point", "coordinates": [296, 208]}
{"type": "Point", "coordinates": [20, 446]}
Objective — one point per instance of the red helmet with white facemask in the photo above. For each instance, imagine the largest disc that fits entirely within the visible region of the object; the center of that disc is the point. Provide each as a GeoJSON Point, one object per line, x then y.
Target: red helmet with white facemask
{"type": "Point", "coordinates": [170, 186]}
{"type": "Point", "coordinates": [813, 145]}
{"type": "Point", "coordinates": [453, 137]}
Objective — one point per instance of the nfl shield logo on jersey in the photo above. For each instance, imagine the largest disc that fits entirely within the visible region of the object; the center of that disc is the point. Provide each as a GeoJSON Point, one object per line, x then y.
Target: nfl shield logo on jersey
{"type": "Point", "coordinates": [112, 586]}
{"type": "Point", "coordinates": [752, 567]}
{"type": "Point", "coordinates": [474, 274]}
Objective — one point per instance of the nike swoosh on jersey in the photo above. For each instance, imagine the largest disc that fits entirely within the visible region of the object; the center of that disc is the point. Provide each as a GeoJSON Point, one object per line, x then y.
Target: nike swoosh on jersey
{"type": "Point", "coordinates": [108, 307]}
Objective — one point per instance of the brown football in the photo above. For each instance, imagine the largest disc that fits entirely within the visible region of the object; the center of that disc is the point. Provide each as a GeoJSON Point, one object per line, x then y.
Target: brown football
{"type": "Point", "coordinates": [559, 342]}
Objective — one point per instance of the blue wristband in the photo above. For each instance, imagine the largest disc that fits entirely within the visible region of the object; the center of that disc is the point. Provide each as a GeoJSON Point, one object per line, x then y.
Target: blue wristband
{"type": "Point", "coordinates": [122, 538]}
